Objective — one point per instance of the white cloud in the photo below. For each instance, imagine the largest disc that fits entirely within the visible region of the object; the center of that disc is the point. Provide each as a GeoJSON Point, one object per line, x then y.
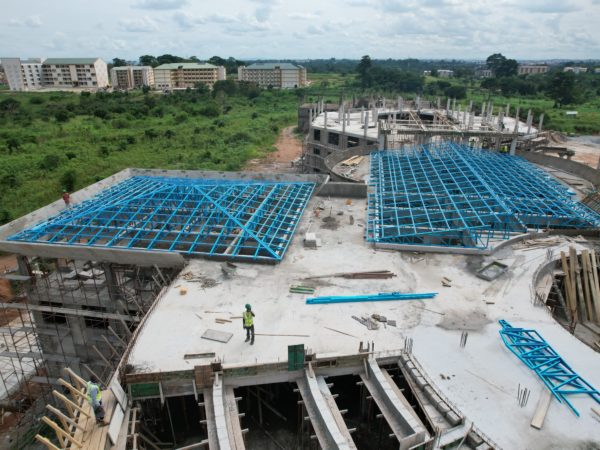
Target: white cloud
{"type": "Point", "coordinates": [305, 16]}
{"type": "Point", "coordinates": [160, 5]}
{"type": "Point", "coordinates": [34, 21]}
{"type": "Point", "coordinates": [142, 24]}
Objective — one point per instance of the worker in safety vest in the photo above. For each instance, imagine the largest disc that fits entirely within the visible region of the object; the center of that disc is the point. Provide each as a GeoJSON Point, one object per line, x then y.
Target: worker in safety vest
{"type": "Point", "coordinates": [94, 396]}
{"type": "Point", "coordinates": [248, 321]}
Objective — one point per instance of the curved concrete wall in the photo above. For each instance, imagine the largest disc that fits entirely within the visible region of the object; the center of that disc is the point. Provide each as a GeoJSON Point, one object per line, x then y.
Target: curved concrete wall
{"type": "Point", "coordinates": [581, 170]}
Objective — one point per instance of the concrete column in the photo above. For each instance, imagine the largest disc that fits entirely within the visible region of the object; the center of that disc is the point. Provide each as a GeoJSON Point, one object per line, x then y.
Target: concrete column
{"type": "Point", "coordinates": [366, 124]}
{"type": "Point", "coordinates": [483, 110]}
{"type": "Point", "coordinates": [448, 107]}
{"type": "Point", "coordinates": [453, 106]}
{"type": "Point", "coordinates": [400, 103]}
{"type": "Point", "coordinates": [418, 102]}
{"type": "Point", "coordinates": [384, 103]}
{"type": "Point", "coordinates": [529, 121]}
{"type": "Point", "coordinates": [513, 146]}
{"type": "Point", "coordinates": [540, 129]}
{"type": "Point", "coordinates": [471, 106]}
{"type": "Point", "coordinates": [438, 103]}
{"type": "Point", "coordinates": [508, 110]}
{"type": "Point", "coordinates": [325, 119]}
{"type": "Point", "coordinates": [362, 114]}
{"type": "Point", "coordinates": [516, 121]}
{"type": "Point", "coordinates": [374, 114]}
{"type": "Point", "coordinates": [471, 120]}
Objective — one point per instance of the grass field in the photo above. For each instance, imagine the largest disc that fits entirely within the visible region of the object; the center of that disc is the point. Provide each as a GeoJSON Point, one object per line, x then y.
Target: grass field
{"type": "Point", "coordinates": [106, 136]}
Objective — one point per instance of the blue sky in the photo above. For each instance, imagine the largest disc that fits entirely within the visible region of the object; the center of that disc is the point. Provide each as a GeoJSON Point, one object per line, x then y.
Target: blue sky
{"type": "Point", "coordinates": [530, 29]}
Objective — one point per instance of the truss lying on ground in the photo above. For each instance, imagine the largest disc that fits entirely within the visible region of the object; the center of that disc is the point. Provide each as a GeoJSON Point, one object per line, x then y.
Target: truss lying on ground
{"type": "Point", "coordinates": [536, 353]}
{"type": "Point", "coordinates": [453, 195]}
{"type": "Point", "coordinates": [224, 218]}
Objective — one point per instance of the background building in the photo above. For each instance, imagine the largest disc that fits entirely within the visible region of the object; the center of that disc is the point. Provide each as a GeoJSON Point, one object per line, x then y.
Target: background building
{"type": "Point", "coordinates": [532, 69]}
{"type": "Point", "coordinates": [277, 75]}
{"type": "Point", "coordinates": [483, 73]}
{"type": "Point", "coordinates": [186, 75]}
{"type": "Point", "coordinates": [131, 77]}
{"type": "Point", "coordinates": [12, 73]}
{"type": "Point", "coordinates": [75, 73]}
{"type": "Point", "coordinates": [575, 69]}
{"type": "Point", "coordinates": [443, 73]}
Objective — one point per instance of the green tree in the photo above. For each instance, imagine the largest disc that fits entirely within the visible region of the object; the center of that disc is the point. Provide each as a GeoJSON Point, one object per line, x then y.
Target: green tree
{"type": "Point", "coordinates": [364, 68]}
{"type": "Point", "coordinates": [9, 106]}
{"type": "Point", "coordinates": [562, 89]}
{"type": "Point", "coordinates": [118, 62]}
{"type": "Point", "coordinates": [49, 162]}
{"type": "Point", "coordinates": [501, 66]}
{"type": "Point", "coordinates": [148, 60]}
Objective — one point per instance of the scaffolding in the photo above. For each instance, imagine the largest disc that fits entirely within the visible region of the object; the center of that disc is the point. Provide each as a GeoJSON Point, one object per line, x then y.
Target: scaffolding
{"type": "Point", "coordinates": [456, 196]}
{"type": "Point", "coordinates": [230, 219]}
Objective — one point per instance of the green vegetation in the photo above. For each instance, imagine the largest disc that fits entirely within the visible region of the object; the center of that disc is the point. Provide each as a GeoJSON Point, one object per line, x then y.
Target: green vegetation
{"type": "Point", "coordinates": [54, 141]}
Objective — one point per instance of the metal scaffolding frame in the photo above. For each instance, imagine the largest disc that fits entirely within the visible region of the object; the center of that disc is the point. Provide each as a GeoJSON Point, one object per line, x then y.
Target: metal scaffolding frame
{"type": "Point", "coordinates": [452, 195]}
{"type": "Point", "coordinates": [230, 219]}
{"type": "Point", "coordinates": [531, 348]}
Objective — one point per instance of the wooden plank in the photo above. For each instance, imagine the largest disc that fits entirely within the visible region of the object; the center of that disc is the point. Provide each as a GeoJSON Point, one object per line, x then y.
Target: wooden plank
{"type": "Point", "coordinates": [580, 299]}
{"type": "Point", "coordinates": [586, 283]}
{"type": "Point", "coordinates": [70, 404]}
{"type": "Point", "coordinates": [541, 409]}
{"type": "Point", "coordinates": [82, 383]}
{"type": "Point", "coordinates": [62, 434]}
{"type": "Point", "coordinates": [595, 285]}
{"type": "Point", "coordinates": [62, 416]}
{"type": "Point", "coordinates": [46, 442]}
{"type": "Point", "coordinates": [567, 285]}
{"type": "Point", "coordinates": [115, 425]}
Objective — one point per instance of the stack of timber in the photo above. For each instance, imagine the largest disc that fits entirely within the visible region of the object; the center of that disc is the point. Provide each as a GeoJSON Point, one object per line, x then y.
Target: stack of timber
{"type": "Point", "coordinates": [353, 161]}
{"type": "Point", "coordinates": [372, 274]}
{"type": "Point", "coordinates": [581, 286]}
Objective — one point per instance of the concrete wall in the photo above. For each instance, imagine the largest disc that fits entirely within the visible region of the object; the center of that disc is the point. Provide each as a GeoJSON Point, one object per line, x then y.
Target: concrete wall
{"type": "Point", "coordinates": [346, 190]}
{"type": "Point", "coordinates": [581, 170]}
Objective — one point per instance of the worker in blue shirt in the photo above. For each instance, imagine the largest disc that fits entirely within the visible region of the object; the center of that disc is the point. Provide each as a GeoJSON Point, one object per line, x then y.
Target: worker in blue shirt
{"type": "Point", "coordinates": [94, 396]}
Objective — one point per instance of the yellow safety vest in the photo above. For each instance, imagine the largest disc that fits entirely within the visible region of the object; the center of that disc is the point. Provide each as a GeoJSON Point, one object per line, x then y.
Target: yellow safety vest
{"type": "Point", "coordinates": [248, 320]}
{"type": "Point", "coordinates": [89, 390]}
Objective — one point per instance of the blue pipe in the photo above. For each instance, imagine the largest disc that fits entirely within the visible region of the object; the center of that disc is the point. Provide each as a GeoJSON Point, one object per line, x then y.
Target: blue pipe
{"type": "Point", "coordinates": [382, 296]}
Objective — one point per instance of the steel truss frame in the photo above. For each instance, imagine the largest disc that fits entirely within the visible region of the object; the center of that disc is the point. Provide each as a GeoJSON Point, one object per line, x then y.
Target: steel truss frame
{"type": "Point", "coordinates": [531, 348]}
{"type": "Point", "coordinates": [452, 195]}
{"type": "Point", "coordinates": [230, 219]}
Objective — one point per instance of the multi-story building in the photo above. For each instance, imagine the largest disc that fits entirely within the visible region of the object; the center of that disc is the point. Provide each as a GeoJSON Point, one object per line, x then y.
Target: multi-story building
{"type": "Point", "coordinates": [74, 73]}
{"type": "Point", "coordinates": [483, 73]}
{"type": "Point", "coordinates": [575, 70]}
{"type": "Point", "coordinates": [12, 73]}
{"type": "Point", "coordinates": [187, 75]}
{"type": "Point", "coordinates": [443, 73]}
{"type": "Point", "coordinates": [532, 69]}
{"type": "Point", "coordinates": [276, 75]}
{"type": "Point", "coordinates": [131, 77]}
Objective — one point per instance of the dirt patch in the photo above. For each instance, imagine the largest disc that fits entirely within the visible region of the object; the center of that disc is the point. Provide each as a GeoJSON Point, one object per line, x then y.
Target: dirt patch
{"type": "Point", "coordinates": [473, 321]}
{"type": "Point", "coordinates": [330, 223]}
{"type": "Point", "coordinates": [8, 263]}
{"type": "Point", "coordinates": [289, 148]}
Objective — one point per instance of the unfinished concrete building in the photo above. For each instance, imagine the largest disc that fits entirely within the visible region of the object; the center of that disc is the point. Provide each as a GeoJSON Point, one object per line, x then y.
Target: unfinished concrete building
{"type": "Point", "coordinates": [333, 136]}
{"type": "Point", "coordinates": [144, 279]}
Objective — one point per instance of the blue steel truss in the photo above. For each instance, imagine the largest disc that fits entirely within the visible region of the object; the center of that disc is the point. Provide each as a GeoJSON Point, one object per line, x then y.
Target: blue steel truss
{"type": "Point", "coordinates": [230, 219]}
{"type": "Point", "coordinates": [536, 353]}
{"type": "Point", "coordinates": [452, 195]}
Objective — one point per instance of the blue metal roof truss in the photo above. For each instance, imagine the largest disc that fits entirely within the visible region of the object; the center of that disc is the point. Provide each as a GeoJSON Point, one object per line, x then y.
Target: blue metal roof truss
{"type": "Point", "coordinates": [230, 219]}
{"type": "Point", "coordinates": [453, 195]}
{"type": "Point", "coordinates": [531, 348]}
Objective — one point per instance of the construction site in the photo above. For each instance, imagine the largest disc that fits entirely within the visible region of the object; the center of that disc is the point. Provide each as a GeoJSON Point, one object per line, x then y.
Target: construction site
{"type": "Point", "coordinates": [426, 278]}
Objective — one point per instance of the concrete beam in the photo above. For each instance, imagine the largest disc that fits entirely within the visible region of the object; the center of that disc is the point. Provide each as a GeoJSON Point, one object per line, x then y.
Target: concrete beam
{"type": "Point", "coordinates": [327, 421]}
{"type": "Point", "coordinates": [396, 410]}
{"type": "Point", "coordinates": [226, 417]}
{"type": "Point", "coordinates": [69, 311]}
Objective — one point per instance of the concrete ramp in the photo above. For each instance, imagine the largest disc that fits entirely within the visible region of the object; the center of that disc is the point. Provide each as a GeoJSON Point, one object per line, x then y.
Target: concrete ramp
{"type": "Point", "coordinates": [327, 421]}
{"type": "Point", "coordinates": [396, 410]}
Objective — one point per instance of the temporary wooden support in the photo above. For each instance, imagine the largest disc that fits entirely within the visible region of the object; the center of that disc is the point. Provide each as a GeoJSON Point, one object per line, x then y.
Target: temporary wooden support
{"type": "Point", "coordinates": [64, 417]}
{"type": "Point", "coordinates": [72, 407]}
{"type": "Point", "coordinates": [575, 267]}
{"type": "Point", "coordinates": [586, 283]}
{"type": "Point", "coordinates": [61, 434]}
{"type": "Point", "coordinates": [46, 442]}
{"type": "Point", "coordinates": [82, 383]}
{"type": "Point", "coordinates": [91, 372]}
{"type": "Point", "coordinates": [568, 288]}
{"type": "Point", "coordinates": [595, 286]}
{"type": "Point", "coordinates": [77, 394]}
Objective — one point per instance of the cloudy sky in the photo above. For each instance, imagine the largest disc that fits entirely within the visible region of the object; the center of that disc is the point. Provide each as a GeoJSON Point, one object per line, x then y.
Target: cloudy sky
{"type": "Point", "coordinates": [462, 29]}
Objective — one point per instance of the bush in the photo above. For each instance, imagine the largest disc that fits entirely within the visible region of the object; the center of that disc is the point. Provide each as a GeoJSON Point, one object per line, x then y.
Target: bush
{"type": "Point", "coordinates": [68, 180]}
{"type": "Point", "coordinates": [9, 180]}
{"type": "Point", "coordinates": [62, 115]}
{"type": "Point", "coordinates": [180, 118]}
{"type": "Point", "coordinates": [120, 123]}
{"type": "Point", "coordinates": [36, 100]}
{"type": "Point", "coordinates": [103, 151]}
{"type": "Point", "coordinates": [150, 133]}
{"type": "Point", "coordinates": [130, 140]}
{"type": "Point", "coordinates": [49, 162]}
{"type": "Point", "coordinates": [211, 110]}
{"type": "Point", "coordinates": [71, 155]}
{"type": "Point", "coordinates": [4, 216]}
{"type": "Point", "coordinates": [169, 134]}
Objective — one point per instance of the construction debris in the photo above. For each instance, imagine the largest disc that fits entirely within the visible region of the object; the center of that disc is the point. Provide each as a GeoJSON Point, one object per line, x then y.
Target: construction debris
{"type": "Point", "coordinates": [215, 335]}
{"type": "Point", "coordinates": [341, 332]}
{"type": "Point", "coordinates": [372, 274]}
{"type": "Point", "coordinates": [353, 161]}
{"type": "Point", "coordinates": [205, 282]}
{"type": "Point", "coordinates": [367, 322]}
{"type": "Point", "coordinates": [581, 286]}
{"type": "Point", "coordinates": [447, 282]}
{"type": "Point", "coordinates": [311, 240]}
{"type": "Point", "coordinates": [300, 289]}
{"type": "Point", "coordinates": [382, 296]}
